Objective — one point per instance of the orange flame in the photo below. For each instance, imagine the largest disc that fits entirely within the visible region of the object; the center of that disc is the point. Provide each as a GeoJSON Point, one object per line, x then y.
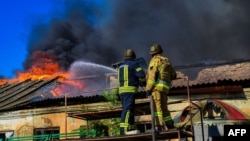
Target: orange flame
{"type": "Point", "coordinates": [44, 66]}
{"type": "Point", "coordinates": [3, 81]}
{"type": "Point", "coordinates": [68, 87]}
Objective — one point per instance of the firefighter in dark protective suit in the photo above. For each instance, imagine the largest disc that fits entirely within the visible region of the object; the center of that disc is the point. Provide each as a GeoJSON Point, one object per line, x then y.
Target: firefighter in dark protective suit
{"type": "Point", "coordinates": [159, 76]}
{"type": "Point", "coordinates": [130, 77]}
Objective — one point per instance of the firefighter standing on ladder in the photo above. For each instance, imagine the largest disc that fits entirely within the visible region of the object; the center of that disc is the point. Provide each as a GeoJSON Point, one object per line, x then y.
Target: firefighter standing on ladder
{"type": "Point", "coordinates": [159, 77]}
{"type": "Point", "coordinates": [130, 76]}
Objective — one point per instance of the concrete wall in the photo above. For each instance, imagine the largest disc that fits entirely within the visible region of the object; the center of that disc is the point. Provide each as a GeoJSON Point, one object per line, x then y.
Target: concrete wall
{"type": "Point", "coordinates": [25, 125]}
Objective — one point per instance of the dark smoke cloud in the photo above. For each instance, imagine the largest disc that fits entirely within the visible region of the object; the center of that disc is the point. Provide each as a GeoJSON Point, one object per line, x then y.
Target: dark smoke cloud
{"type": "Point", "coordinates": [190, 31]}
{"type": "Point", "coordinates": [72, 37]}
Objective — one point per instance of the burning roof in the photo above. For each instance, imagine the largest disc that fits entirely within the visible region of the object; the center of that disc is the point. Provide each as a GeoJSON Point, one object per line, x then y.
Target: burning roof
{"type": "Point", "coordinates": [44, 80]}
{"type": "Point", "coordinates": [19, 93]}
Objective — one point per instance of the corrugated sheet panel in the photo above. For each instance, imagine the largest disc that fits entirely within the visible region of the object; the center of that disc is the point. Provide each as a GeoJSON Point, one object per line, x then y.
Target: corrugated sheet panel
{"type": "Point", "coordinates": [21, 92]}
{"type": "Point", "coordinates": [236, 72]}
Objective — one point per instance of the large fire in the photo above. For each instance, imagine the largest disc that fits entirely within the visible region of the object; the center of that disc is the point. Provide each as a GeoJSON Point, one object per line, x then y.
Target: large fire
{"type": "Point", "coordinates": [45, 67]}
{"type": "Point", "coordinates": [68, 87]}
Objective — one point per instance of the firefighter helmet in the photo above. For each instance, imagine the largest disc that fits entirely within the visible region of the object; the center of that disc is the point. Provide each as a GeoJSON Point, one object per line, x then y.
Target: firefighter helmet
{"type": "Point", "coordinates": [155, 49]}
{"type": "Point", "coordinates": [129, 54]}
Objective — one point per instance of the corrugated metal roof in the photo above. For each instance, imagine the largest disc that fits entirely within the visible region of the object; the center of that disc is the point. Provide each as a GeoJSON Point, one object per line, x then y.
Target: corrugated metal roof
{"type": "Point", "coordinates": [36, 92]}
{"type": "Point", "coordinates": [17, 94]}
{"type": "Point", "coordinates": [235, 72]}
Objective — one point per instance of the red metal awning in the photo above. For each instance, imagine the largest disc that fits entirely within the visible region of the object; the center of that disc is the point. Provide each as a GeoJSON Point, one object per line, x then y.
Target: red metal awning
{"type": "Point", "coordinates": [232, 112]}
{"type": "Point", "coordinates": [224, 110]}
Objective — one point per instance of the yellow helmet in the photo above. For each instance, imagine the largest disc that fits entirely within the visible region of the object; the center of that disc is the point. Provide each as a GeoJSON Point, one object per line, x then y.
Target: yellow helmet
{"type": "Point", "coordinates": [155, 49]}
{"type": "Point", "coordinates": [129, 54]}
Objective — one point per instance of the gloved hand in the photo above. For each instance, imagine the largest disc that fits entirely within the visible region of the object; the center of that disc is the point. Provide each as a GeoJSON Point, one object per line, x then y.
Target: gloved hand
{"type": "Point", "coordinates": [148, 93]}
{"type": "Point", "coordinates": [142, 84]}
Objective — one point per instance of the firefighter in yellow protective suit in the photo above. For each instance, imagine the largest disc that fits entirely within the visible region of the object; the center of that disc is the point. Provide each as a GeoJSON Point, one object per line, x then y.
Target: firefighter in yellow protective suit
{"type": "Point", "coordinates": [159, 77]}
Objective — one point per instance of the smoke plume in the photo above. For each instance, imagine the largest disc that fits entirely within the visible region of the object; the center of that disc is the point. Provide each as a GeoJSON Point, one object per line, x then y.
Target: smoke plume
{"type": "Point", "coordinates": [190, 31]}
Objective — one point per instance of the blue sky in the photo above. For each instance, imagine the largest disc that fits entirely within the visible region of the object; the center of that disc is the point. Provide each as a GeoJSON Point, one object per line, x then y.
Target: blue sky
{"type": "Point", "coordinates": [16, 18]}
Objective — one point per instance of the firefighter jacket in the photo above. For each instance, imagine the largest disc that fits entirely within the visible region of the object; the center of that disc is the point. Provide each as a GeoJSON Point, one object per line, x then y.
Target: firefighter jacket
{"type": "Point", "coordinates": [130, 76]}
{"type": "Point", "coordinates": [160, 74]}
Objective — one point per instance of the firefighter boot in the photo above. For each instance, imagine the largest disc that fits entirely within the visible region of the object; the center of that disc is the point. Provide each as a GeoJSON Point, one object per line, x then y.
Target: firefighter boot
{"type": "Point", "coordinates": [159, 129]}
{"type": "Point", "coordinates": [132, 130]}
{"type": "Point", "coordinates": [122, 132]}
{"type": "Point", "coordinates": [170, 124]}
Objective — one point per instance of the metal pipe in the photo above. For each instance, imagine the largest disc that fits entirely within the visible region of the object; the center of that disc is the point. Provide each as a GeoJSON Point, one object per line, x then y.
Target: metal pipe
{"type": "Point", "coordinates": [201, 117]}
{"type": "Point", "coordinates": [179, 136]}
{"type": "Point", "coordinates": [190, 104]}
{"type": "Point", "coordinates": [153, 118]}
{"type": "Point", "coordinates": [65, 102]}
{"type": "Point", "coordinates": [91, 76]}
{"type": "Point", "coordinates": [202, 130]}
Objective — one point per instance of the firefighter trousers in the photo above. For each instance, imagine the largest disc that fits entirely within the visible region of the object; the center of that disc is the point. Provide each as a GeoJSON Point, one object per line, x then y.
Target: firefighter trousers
{"type": "Point", "coordinates": [162, 114]}
{"type": "Point", "coordinates": [127, 115]}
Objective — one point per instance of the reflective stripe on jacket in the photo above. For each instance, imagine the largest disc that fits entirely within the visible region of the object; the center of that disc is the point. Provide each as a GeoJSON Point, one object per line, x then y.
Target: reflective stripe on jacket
{"type": "Point", "coordinates": [130, 76]}
{"type": "Point", "coordinates": [160, 74]}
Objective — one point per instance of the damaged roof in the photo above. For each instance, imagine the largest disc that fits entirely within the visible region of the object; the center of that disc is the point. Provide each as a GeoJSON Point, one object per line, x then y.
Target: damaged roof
{"type": "Point", "coordinates": [20, 93]}
{"type": "Point", "coordinates": [35, 93]}
{"type": "Point", "coordinates": [235, 72]}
